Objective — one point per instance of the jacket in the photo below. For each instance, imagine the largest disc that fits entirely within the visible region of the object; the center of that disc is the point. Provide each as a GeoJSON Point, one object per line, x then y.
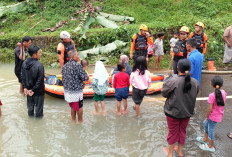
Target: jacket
{"type": "Point", "coordinates": [33, 76]}
{"type": "Point", "coordinates": [179, 104]}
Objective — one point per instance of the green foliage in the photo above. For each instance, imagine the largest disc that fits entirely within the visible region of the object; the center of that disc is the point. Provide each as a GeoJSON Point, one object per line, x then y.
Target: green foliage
{"type": "Point", "coordinates": [166, 16]}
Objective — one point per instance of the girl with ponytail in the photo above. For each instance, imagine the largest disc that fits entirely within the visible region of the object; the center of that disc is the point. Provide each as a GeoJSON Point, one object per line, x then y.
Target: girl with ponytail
{"type": "Point", "coordinates": [181, 93]}
{"type": "Point", "coordinates": [214, 114]}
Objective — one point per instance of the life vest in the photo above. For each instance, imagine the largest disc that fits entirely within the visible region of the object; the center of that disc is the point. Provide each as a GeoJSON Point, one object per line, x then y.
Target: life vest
{"type": "Point", "coordinates": [180, 48]}
{"type": "Point", "coordinates": [199, 39]}
{"type": "Point", "coordinates": [67, 47]}
{"type": "Point", "coordinates": [141, 42]}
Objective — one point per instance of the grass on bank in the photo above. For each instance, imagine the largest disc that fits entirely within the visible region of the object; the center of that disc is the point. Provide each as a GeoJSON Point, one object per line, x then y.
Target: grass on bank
{"type": "Point", "coordinates": [159, 15]}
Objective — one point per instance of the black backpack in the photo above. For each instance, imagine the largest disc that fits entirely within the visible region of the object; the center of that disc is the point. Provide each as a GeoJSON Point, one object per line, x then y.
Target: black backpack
{"type": "Point", "coordinates": [199, 39]}
{"type": "Point", "coordinates": [141, 42]}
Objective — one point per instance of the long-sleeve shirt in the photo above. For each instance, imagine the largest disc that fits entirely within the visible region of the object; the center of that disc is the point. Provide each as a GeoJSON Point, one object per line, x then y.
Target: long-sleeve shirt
{"type": "Point", "coordinates": [121, 80]}
{"type": "Point", "coordinates": [179, 104]}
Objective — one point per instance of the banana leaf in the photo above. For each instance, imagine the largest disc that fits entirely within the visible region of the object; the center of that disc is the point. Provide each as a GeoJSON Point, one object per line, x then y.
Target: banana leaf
{"type": "Point", "coordinates": [88, 22]}
{"type": "Point", "coordinates": [105, 22]}
{"type": "Point", "coordinates": [102, 49]}
{"type": "Point", "coordinates": [12, 8]}
{"type": "Point", "coordinates": [117, 18]}
{"type": "Point", "coordinates": [81, 24]}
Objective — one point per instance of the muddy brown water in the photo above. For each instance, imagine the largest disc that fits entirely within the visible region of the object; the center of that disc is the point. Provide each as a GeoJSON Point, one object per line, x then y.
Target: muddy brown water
{"type": "Point", "coordinates": [109, 135]}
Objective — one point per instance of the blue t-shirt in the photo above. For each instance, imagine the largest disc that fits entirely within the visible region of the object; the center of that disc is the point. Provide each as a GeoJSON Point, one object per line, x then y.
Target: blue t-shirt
{"type": "Point", "coordinates": [196, 59]}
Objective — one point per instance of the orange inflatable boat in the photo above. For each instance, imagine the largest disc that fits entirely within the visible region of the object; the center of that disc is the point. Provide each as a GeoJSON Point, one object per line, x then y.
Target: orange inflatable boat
{"type": "Point", "coordinates": [58, 91]}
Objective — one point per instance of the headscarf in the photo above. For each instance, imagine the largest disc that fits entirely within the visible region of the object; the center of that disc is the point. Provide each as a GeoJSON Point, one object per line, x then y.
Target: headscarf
{"type": "Point", "coordinates": [124, 58]}
{"type": "Point", "coordinates": [100, 73]}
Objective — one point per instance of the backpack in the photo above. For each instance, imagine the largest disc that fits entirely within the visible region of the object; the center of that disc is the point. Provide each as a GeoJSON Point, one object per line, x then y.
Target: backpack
{"type": "Point", "coordinates": [179, 48]}
{"type": "Point", "coordinates": [141, 42]}
{"type": "Point", "coordinates": [199, 39]}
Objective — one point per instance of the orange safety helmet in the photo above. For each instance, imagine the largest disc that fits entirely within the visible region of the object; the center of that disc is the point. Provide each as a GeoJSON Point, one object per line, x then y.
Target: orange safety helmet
{"type": "Point", "coordinates": [143, 27]}
{"type": "Point", "coordinates": [200, 24]}
{"type": "Point", "coordinates": [184, 29]}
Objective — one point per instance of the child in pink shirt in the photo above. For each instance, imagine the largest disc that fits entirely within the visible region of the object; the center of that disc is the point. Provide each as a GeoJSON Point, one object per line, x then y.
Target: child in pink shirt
{"type": "Point", "coordinates": [215, 112]}
{"type": "Point", "coordinates": [140, 79]}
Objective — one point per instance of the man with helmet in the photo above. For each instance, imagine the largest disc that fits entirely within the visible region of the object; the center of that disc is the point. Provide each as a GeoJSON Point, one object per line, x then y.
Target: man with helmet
{"type": "Point", "coordinates": [140, 42]}
{"type": "Point", "coordinates": [179, 49]}
{"type": "Point", "coordinates": [200, 37]}
{"type": "Point", "coordinates": [64, 46]}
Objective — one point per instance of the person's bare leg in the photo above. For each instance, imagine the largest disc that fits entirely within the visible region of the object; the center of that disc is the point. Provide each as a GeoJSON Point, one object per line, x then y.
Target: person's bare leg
{"type": "Point", "coordinates": [103, 106]}
{"type": "Point", "coordinates": [210, 143]}
{"type": "Point", "coordinates": [118, 108]}
{"type": "Point", "coordinates": [96, 106]}
{"type": "Point", "coordinates": [137, 110]}
{"type": "Point", "coordinates": [80, 115]}
{"type": "Point", "coordinates": [179, 150]}
{"type": "Point", "coordinates": [156, 60]}
{"type": "Point", "coordinates": [73, 115]}
{"type": "Point", "coordinates": [170, 150]}
{"type": "Point", "coordinates": [0, 112]}
{"type": "Point", "coordinates": [21, 88]}
{"type": "Point", "coordinates": [226, 66]}
{"type": "Point", "coordinates": [159, 61]}
{"type": "Point", "coordinates": [206, 137]}
{"type": "Point", "coordinates": [125, 106]}
{"type": "Point", "coordinates": [148, 61]}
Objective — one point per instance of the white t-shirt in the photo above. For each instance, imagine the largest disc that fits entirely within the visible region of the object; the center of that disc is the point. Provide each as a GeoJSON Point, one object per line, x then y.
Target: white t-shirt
{"type": "Point", "coordinates": [173, 42]}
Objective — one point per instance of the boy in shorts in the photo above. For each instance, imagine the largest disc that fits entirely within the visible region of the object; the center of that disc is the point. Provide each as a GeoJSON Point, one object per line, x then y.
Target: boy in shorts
{"type": "Point", "coordinates": [121, 84]}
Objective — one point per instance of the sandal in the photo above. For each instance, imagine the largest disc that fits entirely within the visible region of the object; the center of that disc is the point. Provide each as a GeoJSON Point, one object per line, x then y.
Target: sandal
{"type": "Point", "coordinates": [200, 139]}
{"type": "Point", "coordinates": [206, 148]}
{"type": "Point", "coordinates": [229, 135]}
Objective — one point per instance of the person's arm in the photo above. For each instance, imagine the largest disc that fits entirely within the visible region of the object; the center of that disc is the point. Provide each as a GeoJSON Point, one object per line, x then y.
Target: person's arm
{"type": "Point", "coordinates": [131, 78]}
{"type": "Point", "coordinates": [167, 89]}
{"type": "Point", "coordinates": [209, 110]}
{"type": "Point", "coordinates": [82, 74]}
{"type": "Point", "coordinates": [132, 46]}
{"type": "Point", "coordinates": [115, 81]}
{"type": "Point", "coordinates": [22, 55]}
{"type": "Point", "coordinates": [60, 51]}
{"type": "Point", "coordinates": [227, 41]}
{"type": "Point", "coordinates": [128, 81]}
{"type": "Point", "coordinates": [192, 65]}
{"type": "Point", "coordinates": [39, 79]}
{"type": "Point", "coordinates": [73, 44]}
{"type": "Point", "coordinates": [205, 44]}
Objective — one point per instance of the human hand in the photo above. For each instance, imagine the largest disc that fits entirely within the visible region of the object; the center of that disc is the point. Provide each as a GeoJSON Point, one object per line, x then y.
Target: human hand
{"type": "Point", "coordinates": [131, 56]}
{"type": "Point", "coordinates": [30, 93]}
{"type": "Point", "coordinates": [25, 91]}
{"type": "Point", "coordinates": [229, 44]}
{"type": "Point", "coordinates": [19, 44]}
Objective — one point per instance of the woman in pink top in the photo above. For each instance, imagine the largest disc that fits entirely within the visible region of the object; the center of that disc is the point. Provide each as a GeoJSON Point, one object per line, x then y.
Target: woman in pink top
{"type": "Point", "coordinates": [215, 112]}
{"type": "Point", "coordinates": [140, 79]}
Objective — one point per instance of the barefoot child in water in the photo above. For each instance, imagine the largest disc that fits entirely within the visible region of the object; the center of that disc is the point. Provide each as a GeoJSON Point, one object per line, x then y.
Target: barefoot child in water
{"type": "Point", "coordinates": [140, 79]}
{"type": "Point", "coordinates": [99, 82]}
{"type": "Point", "coordinates": [121, 85]}
{"type": "Point", "coordinates": [214, 114]}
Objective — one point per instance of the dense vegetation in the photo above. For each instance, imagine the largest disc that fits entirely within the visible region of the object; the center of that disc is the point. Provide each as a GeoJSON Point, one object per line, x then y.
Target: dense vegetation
{"type": "Point", "coordinates": [160, 15]}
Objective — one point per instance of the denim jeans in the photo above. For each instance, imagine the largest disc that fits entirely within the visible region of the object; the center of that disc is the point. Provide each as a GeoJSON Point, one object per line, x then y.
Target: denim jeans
{"type": "Point", "coordinates": [209, 127]}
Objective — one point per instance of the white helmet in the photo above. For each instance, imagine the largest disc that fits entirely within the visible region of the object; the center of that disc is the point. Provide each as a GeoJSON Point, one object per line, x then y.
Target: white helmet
{"type": "Point", "coordinates": [64, 35]}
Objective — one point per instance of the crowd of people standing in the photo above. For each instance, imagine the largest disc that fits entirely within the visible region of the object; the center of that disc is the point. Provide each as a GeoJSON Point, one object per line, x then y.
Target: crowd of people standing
{"type": "Point", "coordinates": [181, 91]}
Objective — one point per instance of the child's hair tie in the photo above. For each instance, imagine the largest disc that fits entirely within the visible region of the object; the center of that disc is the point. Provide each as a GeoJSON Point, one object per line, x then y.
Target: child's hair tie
{"type": "Point", "coordinates": [186, 72]}
{"type": "Point", "coordinates": [217, 86]}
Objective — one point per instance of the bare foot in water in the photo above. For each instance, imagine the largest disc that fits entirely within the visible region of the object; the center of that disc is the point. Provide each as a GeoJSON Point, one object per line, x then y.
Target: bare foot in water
{"type": "Point", "coordinates": [124, 112]}
{"type": "Point", "coordinates": [80, 121]}
{"type": "Point", "coordinates": [103, 112]}
{"type": "Point", "coordinates": [118, 113]}
{"type": "Point", "coordinates": [180, 153]}
{"type": "Point", "coordinates": [165, 150]}
{"type": "Point", "coordinates": [95, 113]}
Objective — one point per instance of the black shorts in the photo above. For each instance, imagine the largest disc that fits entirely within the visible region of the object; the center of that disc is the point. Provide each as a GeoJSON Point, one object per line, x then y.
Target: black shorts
{"type": "Point", "coordinates": [137, 95]}
{"type": "Point", "coordinates": [149, 56]}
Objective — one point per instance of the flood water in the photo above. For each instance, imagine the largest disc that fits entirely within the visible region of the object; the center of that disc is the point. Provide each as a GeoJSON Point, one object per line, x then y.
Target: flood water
{"type": "Point", "coordinates": [109, 135]}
